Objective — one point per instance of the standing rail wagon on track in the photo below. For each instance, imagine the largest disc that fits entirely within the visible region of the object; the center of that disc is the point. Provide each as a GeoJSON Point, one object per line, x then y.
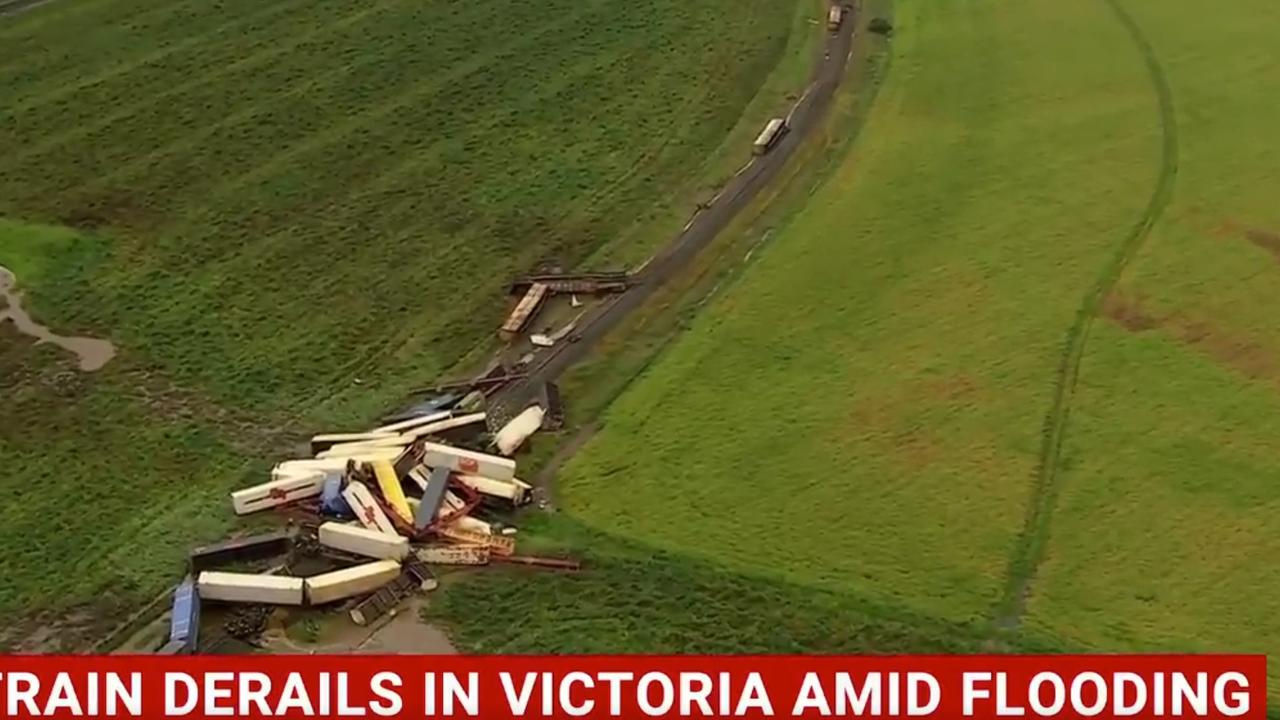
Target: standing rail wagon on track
{"type": "Point", "coordinates": [770, 136]}
{"type": "Point", "coordinates": [835, 16]}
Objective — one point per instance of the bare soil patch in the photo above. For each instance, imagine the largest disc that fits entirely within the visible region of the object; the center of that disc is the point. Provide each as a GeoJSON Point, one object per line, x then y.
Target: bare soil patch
{"type": "Point", "coordinates": [1127, 312]}
{"type": "Point", "coordinates": [405, 633]}
{"type": "Point", "coordinates": [1265, 239]}
{"type": "Point", "coordinates": [1230, 350]}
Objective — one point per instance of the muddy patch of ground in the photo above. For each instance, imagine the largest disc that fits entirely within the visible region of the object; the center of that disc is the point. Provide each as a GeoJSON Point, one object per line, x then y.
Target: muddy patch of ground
{"type": "Point", "coordinates": [913, 444]}
{"type": "Point", "coordinates": [401, 634]}
{"type": "Point", "coordinates": [1236, 352]}
{"type": "Point", "coordinates": [1128, 313]}
{"type": "Point", "coordinates": [1265, 239]}
{"type": "Point", "coordinates": [1268, 240]}
{"type": "Point", "coordinates": [92, 352]}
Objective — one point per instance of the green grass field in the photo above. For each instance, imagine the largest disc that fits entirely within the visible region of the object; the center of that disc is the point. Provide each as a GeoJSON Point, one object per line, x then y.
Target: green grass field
{"type": "Point", "coordinates": [1168, 527]}
{"type": "Point", "coordinates": [885, 406]}
{"type": "Point", "coordinates": [861, 412]}
{"type": "Point", "coordinates": [286, 214]}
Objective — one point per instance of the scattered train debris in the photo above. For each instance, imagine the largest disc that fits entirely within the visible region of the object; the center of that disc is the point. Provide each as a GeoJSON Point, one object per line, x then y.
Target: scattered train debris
{"type": "Point", "coordinates": [374, 509]}
{"type": "Point", "coordinates": [575, 283]}
{"type": "Point", "coordinates": [370, 512]}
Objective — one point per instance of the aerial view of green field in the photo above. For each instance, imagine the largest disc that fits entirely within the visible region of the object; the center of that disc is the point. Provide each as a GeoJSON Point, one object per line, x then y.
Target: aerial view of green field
{"type": "Point", "coordinates": [1010, 366]}
{"type": "Point", "coordinates": [282, 214]}
{"type": "Point", "coordinates": [974, 353]}
{"type": "Point", "coordinates": [869, 396]}
{"type": "Point", "coordinates": [1164, 536]}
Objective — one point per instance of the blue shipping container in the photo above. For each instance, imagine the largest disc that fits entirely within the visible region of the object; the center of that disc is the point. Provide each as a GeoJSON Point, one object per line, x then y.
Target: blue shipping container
{"type": "Point", "coordinates": [184, 625]}
{"type": "Point", "coordinates": [331, 500]}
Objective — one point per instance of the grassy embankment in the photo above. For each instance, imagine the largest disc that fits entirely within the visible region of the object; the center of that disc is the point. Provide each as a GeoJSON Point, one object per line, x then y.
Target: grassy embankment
{"type": "Point", "coordinates": [285, 215]}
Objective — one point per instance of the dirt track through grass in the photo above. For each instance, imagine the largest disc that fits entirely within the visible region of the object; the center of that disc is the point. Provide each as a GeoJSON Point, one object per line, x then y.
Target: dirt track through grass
{"type": "Point", "coordinates": [1031, 546]}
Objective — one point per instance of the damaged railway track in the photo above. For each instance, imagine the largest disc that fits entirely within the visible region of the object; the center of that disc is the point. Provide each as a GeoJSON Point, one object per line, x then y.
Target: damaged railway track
{"type": "Point", "coordinates": [707, 223]}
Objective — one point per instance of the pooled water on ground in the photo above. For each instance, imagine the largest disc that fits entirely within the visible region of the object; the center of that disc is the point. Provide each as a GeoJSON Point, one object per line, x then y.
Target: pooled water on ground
{"type": "Point", "coordinates": [93, 353]}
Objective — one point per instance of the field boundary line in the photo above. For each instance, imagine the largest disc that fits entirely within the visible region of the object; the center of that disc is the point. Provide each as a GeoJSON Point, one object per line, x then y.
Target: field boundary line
{"type": "Point", "coordinates": [1033, 541]}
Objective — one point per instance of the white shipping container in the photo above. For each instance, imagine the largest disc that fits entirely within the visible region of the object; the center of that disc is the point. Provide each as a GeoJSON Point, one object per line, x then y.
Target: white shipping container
{"type": "Point", "coordinates": [466, 461]}
{"type": "Point", "coordinates": [286, 489]}
{"type": "Point", "coordinates": [358, 580]}
{"type": "Point", "coordinates": [292, 468]}
{"type": "Point", "coordinates": [443, 425]}
{"type": "Point", "coordinates": [362, 541]}
{"type": "Point", "coordinates": [470, 524]}
{"type": "Point", "coordinates": [367, 510]}
{"type": "Point", "coordinates": [513, 434]}
{"type": "Point", "coordinates": [246, 588]}
{"type": "Point", "coordinates": [513, 490]}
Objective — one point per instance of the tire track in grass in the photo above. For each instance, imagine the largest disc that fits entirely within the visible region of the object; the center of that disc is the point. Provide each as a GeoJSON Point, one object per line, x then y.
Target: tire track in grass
{"type": "Point", "coordinates": [1034, 539]}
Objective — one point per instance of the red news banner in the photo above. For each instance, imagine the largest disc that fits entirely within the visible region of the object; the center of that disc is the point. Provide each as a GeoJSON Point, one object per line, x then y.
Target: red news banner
{"type": "Point", "coordinates": [498, 687]}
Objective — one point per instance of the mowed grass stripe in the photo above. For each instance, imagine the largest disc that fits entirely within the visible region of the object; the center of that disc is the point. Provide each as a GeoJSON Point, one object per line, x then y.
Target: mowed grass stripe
{"type": "Point", "coordinates": [414, 173]}
{"type": "Point", "coordinates": [297, 184]}
{"type": "Point", "coordinates": [441, 287]}
{"type": "Point", "coordinates": [355, 224]}
{"type": "Point", "coordinates": [121, 145]}
{"type": "Point", "coordinates": [114, 58]}
{"type": "Point", "coordinates": [165, 461]}
{"type": "Point", "coordinates": [177, 154]}
{"type": "Point", "coordinates": [861, 410]}
{"type": "Point", "coordinates": [390, 204]}
{"type": "Point", "coordinates": [26, 33]}
{"type": "Point", "coordinates": [300, 140]}
{"type": "Point", "coordinates": [1031, 547]}
{"type": "Point", "coordinates": [244, 60]}
{"type": "Point", "coordinates": [394, 199]}
{"type": "Point", "coordinates": [377, 110]}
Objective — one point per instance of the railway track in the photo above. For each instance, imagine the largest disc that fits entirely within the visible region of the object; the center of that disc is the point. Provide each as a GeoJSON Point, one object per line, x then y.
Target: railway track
{"type": "Point", "coordinates": [710, 219]}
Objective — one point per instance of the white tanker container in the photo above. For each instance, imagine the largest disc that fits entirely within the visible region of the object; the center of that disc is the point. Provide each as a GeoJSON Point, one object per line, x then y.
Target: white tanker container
{"type": "Point", "coordinates": [515, 433]}
{"type": "Point", "coordinates": [245, 588]}
{"type": "Point", "coordinates": [358, 580]}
